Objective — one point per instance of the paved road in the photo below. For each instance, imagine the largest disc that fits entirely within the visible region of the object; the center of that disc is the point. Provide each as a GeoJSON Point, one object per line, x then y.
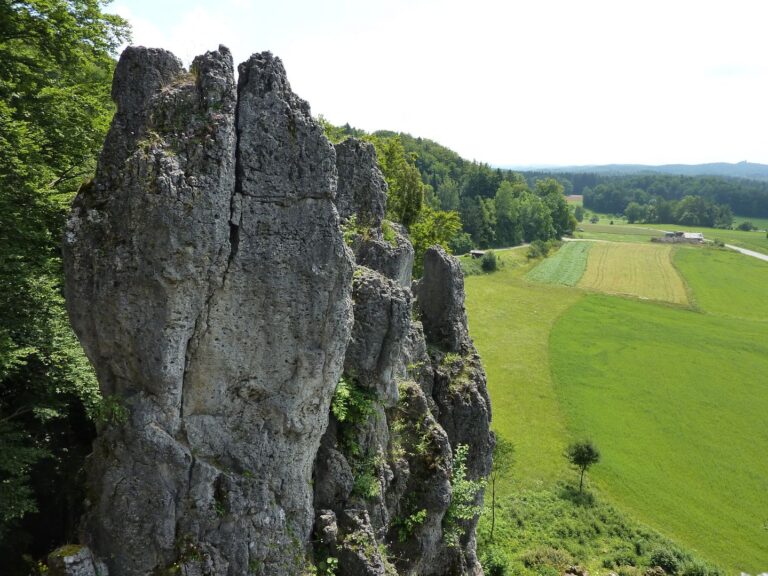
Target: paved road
{"type": "Point", "coordinates": [752, 253]}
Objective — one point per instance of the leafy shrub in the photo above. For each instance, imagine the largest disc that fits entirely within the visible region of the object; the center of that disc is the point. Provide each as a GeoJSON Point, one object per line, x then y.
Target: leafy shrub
{"type": "Point", "coordinates": [461, 243]}
{"type": "Point", "coordinates": [495, 562]}
{"type": "Point", "coordinates": [667, 559]}
{"type": "Point", "coordinates": [537, 249]}
{"type": "Point", "coordinates": [699, 568]}
{"type": "Point", "coordinates": [746, 226]}
{"type": "Point", "coordinates": [388, 233]}
{"type": "Point", "coordinates": [489, 261]}
{"type": "Point", "coordinates": [464, 493]}
{"type": "Point", "coordinates": [547, 556]}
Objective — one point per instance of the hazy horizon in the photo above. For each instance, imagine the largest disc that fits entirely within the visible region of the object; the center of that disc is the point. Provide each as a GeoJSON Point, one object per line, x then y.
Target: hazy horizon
{"type": "Point", "coordinates": [508, 83]}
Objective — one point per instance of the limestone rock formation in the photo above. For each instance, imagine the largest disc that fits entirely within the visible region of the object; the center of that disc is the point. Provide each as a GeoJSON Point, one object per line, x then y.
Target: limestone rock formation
{"type": "Point", "coordinates": [209, 283]}
{"type": "Point", "coordinates": [387, 460]}
{"type": "Point", "coordinates": [270, 409]}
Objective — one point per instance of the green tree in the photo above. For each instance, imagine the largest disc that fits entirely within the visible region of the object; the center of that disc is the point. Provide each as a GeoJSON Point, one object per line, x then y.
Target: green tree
{"type": "Point", "coordinates": [509, 228]}
{"type": "Point", "coordinates": [432, 227]}
{"type": "Point", "coordinates": [406, 190]}
{"type": "Point", "coordinates": [552, 192]}
{"type": "Point", "coordinates": [56, 64]}
{"type": "Point", "coordinates": [634, 212]}
{"type": "Point", "coordinates": [582, 455]}
{"type": "Point", "coordinates": [578, 213]}
{"type": "Point", "coordinates": [503, 460]}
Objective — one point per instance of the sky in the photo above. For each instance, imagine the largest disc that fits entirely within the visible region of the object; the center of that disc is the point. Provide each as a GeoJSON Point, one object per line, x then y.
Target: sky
{"type": "Point", "coordinates": [509, 83]}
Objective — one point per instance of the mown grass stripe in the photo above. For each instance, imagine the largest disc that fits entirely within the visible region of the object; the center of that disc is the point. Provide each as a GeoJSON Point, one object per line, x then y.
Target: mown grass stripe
{"type": "Point", "coordinates": [566, 267]}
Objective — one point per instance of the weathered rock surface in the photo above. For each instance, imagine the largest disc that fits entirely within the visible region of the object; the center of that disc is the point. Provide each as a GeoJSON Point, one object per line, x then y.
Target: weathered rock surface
{"type": "Point", "coordinates": [440, 293]}
{"type": "Point", "coordinates": [362, 189]}
{"type": "Point", "coordinates": [209, 281]}
{"type": "Point", "coordinates": [389, 465]}
{"type": "Point", "coordinates": [75, 561]}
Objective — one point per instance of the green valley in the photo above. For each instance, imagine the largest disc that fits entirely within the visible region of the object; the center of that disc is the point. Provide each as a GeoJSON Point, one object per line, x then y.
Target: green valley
{"type": "Point", "coordinates": [673, 395]}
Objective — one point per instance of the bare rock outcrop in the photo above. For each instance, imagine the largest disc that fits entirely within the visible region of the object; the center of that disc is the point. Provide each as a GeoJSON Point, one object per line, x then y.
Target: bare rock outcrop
{"type": "Point", "coordinates": [279, 397]}
{"type": "Point", "coordinates": [209, 283]}
{"type": "Point", "coordinates": [387, 458]}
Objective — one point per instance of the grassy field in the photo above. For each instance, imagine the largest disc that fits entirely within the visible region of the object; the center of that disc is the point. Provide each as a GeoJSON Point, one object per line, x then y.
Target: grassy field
{"type": "Point", "coordinates": [620, 231]}
{"type": "Point", "coordinates": [639, 270]}
{"type": "Point", "coordinates": [726, 283]}
{"type": "Point", "coordinates": [510, 320]}
{"type": "Point", "coordinates": [676, 401]}
{"type": "Point", "coordinates": [761, 223]}
{"type": "Point", "coordinates": [675, 398]}
{"type": "Point", "coordinates": [566, 267]}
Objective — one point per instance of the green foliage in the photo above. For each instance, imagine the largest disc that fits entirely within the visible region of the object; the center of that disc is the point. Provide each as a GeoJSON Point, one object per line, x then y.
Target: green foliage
{"type": "Point", "coordinates": [488, 262]}
{"type": "Point", "coordinates": [432, 227]}
{"type": "Point", "coordinates": [388, 233]}
{"type": "Point", "coordinates": [55, 72]}
{"type": "Point", "coordinates": [406, 190]}
{"type": "Point", "coordinates": [464, 495]}
{"type": "Point", "coordinates": [366, 477]}
{"type": "Point", "coordinates": [538, 249]}
{"type": "Point", "coordinates": [746, 225]}
{"type": "Point", "coordinates": [461, 243]}
{"type": "Point", "coordinates": [408, 525]}
{"type": "Point", "coordinates": [582, 455]}
{"type": "Point", "coordinates": [351, 404]}
{"type": "Point", "coordinates": [111, 410]}
{"type": "Point", "coordinates": [668, 559]}
{"type": "Point", "coordinates": [542, 531]}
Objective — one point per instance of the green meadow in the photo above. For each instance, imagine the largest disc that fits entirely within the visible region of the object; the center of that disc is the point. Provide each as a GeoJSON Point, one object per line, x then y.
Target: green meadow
{"type": "Point", "coordinates": [675, 397]}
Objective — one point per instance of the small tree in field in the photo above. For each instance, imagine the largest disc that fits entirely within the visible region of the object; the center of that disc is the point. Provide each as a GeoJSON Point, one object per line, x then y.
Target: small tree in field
{"type": "Point", "coordinates": [582, 455]}
{"type": "Point", "coordinates": [503, 459]}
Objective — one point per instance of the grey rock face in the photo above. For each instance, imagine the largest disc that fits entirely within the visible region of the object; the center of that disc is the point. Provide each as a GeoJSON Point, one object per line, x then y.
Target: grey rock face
{"type": "Point", "coordinates": [75, 561]}
{"type": "Point", "coordinates": [362, 191]}
{"type": "Point", "coordinates": [209, 283]}
{"type": "Point", "coordinates": [440, 293]}
{"type": "Point", "coordinates": [424, 392]}
{"type": "Point", "coordinates": [382, 311]}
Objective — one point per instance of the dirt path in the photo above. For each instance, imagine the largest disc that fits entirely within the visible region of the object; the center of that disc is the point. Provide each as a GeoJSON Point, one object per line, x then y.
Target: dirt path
{"type": "Point", "coordinates": [746, 252]}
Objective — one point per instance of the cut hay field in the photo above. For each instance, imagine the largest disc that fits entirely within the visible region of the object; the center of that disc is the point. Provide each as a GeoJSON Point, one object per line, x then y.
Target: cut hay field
{"type": "Point", "coordinates": [675, 398]}
{"type": "Point", "coordinates": [639, 270]}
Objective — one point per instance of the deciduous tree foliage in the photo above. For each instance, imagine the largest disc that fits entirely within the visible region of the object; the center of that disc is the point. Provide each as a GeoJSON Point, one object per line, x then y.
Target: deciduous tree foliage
{"type": "Point", "coordinates": [582, 455]}
{"type": "Point", "coordinates": [56, 63]}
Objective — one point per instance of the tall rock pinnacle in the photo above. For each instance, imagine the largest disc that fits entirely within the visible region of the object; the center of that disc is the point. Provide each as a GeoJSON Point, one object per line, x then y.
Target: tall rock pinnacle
{"type": "Point", "coordinates": [209, 283]}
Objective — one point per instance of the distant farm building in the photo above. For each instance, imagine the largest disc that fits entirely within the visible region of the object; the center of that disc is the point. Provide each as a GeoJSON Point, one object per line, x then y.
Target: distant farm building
{"type": "Point", "coordinates": [682, 237]}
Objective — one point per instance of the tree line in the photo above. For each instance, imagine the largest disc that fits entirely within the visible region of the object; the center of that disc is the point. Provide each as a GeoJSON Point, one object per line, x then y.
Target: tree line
{"type": "Point", "coordinates": [612, 194]}
{"type": "Point", "coordinates": [487, 207]}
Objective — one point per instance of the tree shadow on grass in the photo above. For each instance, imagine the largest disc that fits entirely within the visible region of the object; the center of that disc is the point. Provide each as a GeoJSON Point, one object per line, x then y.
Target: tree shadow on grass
{"type": "Point", "coordinates": [571, 493]}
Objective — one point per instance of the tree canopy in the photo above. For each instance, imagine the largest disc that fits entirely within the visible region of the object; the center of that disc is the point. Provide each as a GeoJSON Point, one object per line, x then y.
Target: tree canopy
{"type": "Point", "coordinates": [56, 64]}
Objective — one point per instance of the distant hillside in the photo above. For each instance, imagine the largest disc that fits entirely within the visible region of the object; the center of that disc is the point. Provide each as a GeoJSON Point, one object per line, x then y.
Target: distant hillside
{"type": "Point", "coordinates": [748, 170]}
